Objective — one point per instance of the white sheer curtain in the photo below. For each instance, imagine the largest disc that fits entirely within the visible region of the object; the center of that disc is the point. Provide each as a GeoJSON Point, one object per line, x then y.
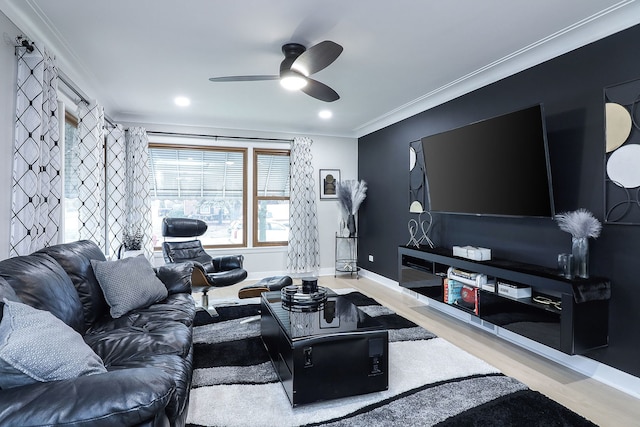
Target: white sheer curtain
{"type": "Point", "coordinates": [91, 187]}
{"type": "Point", "coordinates": [115, 186]}
{"type": "Point", "coordinates": [304, 246]}
{"type": "Point", "coordinates": [37, 158]}
{"type": "Point", "coordinates": [138, 201]}
{"type": "Point", "coordinates": [113, 182]}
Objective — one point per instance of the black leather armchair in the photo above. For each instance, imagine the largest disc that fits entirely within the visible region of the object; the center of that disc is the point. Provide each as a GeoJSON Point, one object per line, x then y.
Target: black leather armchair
{"type": "Point", "coordinates": [209, 272]}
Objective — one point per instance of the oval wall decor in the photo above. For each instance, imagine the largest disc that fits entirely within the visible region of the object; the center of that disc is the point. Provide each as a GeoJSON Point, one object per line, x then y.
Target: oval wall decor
{"type": "Point", "coordinates": [412, 158]}
{"type": "Point", "coordinates": [618, 125]}
{"type": "Point", "coordinates": [623, 166]}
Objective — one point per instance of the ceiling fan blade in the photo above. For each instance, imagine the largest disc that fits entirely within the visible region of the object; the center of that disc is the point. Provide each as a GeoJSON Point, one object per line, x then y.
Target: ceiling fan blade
{"type": "Point", "coordinates": [320, 91]}
{"type": "Point", "coordinates": [317, 57]}
{"type": "Point", "coordinates": [244, 78]}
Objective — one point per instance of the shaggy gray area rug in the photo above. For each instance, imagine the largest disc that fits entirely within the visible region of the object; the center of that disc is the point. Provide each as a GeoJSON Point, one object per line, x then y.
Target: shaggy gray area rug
{"type": "Point", "coordinates": [431, 382]}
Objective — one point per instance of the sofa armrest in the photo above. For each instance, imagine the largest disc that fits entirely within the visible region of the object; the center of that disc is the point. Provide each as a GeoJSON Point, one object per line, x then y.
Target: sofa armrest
{"type": "Point", "coordinates": [126, 397]}
{"type": "Point", "coordinates": [227, 262]}
{"type": "Point", "coordinates": [176, 277]}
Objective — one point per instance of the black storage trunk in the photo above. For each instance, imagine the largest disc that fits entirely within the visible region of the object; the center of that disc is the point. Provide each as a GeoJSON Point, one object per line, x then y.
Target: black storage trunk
{"type": "Point", "coordinates": [333, 361]}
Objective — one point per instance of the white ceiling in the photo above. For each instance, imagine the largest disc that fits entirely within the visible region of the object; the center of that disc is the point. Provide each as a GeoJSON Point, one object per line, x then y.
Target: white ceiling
{"type": "Point", "coordinates": [400, 56]}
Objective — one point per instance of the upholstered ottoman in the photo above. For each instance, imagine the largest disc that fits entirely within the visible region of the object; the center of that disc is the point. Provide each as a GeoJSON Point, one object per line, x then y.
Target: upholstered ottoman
{"type": "Point", "coordinates": [274, 283]}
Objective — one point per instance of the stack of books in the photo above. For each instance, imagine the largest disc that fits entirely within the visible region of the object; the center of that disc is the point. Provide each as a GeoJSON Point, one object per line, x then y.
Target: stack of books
{"type": "Point", "coordinates": [452, 290]}
{"type": "Point", "coordinates": [461, 288]}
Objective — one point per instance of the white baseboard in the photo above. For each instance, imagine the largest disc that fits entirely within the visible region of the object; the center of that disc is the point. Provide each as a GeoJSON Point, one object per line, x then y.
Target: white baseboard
{"type": "Point", "coordinates": [598, 371]}
{"type": "Point", "coordinates": [391, 284]}
{"type": "Point", "coordinates": [605, 374]}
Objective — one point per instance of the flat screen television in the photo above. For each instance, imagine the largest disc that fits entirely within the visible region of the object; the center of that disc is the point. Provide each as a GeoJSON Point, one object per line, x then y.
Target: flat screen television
{"type": "Point", "coordinates": [498, 166]}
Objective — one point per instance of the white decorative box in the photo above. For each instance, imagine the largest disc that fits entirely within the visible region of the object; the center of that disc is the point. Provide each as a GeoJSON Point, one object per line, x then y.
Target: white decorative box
{"type": "Point", "coordinates": [472, 252]}
{"type": "Point", "coordinates": [514, 290]}
{"type": "Point", "coordinates": [491, 286]}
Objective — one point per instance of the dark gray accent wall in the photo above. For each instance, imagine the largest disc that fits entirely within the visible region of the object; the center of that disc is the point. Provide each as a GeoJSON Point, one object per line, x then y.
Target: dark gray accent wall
{"type": "Point", "coordinates": [571, 89]}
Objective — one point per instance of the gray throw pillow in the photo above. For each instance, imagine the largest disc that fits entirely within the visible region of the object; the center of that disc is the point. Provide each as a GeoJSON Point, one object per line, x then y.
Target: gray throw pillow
{"type": "Point", "coordinates": [36, 346]}
{"type": "Point", "coordinates": [128, 284]}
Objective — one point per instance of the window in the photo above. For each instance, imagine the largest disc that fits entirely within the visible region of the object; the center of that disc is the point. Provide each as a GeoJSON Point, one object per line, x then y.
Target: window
{"type": "Point", "coordinates": [271, 197]}
{"type": "Point", "coordinates": [206, 183]}
{"type": "Point", "coordinates": [71, 180]}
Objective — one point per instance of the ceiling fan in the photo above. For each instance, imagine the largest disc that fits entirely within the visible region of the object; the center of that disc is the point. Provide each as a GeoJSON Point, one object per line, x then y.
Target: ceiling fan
{"type": "Point", "coordinates": [298, 64]}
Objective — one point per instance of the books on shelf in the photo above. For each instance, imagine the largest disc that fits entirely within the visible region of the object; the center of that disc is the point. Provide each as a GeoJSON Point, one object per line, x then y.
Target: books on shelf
{"type": "Point", "coordinates": [461, 288]}
{"type": "Point", "coordinates": [469, 298]}
{"type": "Point", "coordinates": [461, 295]}
{"type": "Point", "coordinates": [452, 289]}
{"type": "Point", "coordinates": [466, 277]}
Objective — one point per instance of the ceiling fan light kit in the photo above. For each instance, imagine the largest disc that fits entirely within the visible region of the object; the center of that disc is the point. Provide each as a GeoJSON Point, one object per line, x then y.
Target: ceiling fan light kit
{"type": "Point", "coordinates": [292, 80]}
{"type": "Point", "coordinates": [298, 64]}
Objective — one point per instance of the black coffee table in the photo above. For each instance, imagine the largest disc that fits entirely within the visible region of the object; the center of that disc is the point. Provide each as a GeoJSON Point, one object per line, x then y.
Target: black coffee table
{"type": "Point", "coordinates": [328, 353]}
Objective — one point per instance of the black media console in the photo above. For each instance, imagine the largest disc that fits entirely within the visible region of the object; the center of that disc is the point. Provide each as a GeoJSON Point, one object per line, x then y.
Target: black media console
{"type": "Point", "coordinates": [569, 315]}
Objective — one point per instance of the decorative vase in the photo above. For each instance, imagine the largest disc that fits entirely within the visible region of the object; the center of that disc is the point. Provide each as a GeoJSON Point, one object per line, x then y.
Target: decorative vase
{"type": "Point", "coordinates": [351, 225]}
{"type": "Point", "coordinates": [580, 252]}
{"type": "Point", "coordinates": [133, 253]}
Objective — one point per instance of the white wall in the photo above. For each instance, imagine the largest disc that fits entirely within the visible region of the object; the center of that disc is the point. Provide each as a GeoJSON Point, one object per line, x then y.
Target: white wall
{"type": "Point", "coordinates": [332, 153]}
{"type": "Point", "coordinates": [328, 153]}
{"type": "Point", "coordinates": [8, 71]}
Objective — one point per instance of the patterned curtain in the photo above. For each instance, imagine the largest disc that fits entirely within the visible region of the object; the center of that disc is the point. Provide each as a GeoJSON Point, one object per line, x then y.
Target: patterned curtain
{"type": "Point", "coordinates": [91, 187]}
{"type": "Point", "coordinates": [37, 158]}
{"type": "Point", "coordinates": [138, 206]}
{"type": "Point", "coordinates": [304, 246]}
{"type": "Point", "coordinates": [115, 187]}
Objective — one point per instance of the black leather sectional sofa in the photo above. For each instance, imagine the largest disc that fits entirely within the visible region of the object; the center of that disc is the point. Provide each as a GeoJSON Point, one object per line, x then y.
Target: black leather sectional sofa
{"type": "Point", "coordinates": [146, 352]}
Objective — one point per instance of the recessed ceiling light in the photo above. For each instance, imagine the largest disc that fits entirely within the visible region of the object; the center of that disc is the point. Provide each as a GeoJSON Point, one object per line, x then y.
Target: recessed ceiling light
{"type": "Point", "coordinates": [182, 101]}
{"type": "Point", "coordinates": [325, 114]}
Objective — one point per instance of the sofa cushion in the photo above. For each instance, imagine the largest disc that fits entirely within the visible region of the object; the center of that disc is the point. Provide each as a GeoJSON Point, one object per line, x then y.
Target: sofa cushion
{"type": "Point", "coordinates": [39, 281]}
{"type": "Point", "coordinates": [128, 284]}
{"type": "Point", "coordinates": [176, 277]}
{"type": "Point", "coordinates": [131, 397]}
{"type": "Point", "coordinates": [175, 308]}
{"type": "Point", "coordinates": [179, 368]}
{"type": "Point", "coordinates": [75, 258]}
{"type": "Point", "coordinates": [118, 346]}
{"type": "Point", "coordinates": [36, 346]}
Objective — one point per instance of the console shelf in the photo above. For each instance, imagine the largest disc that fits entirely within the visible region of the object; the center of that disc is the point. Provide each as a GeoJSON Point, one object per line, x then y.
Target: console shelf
{"type": "Point", "coordinates": [572, 317]}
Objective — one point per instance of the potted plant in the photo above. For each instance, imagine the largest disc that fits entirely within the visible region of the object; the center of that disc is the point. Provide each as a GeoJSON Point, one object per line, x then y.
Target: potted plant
{"type": "Point", "coordinates": [131, 243]}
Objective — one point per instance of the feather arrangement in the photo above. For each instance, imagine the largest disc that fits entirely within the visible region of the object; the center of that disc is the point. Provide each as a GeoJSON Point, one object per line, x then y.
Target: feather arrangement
{"type": "Point", "coordinates": [580, 223]}
{"type": "Point", "coordinates": [351, 194]}
{"type": "Point", "coordinates": [358, 194]}
{"type": "Point", "coordinates": [343, 191]}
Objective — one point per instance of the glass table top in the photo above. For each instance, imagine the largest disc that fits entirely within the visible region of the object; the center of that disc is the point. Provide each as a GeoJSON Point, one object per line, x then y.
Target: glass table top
{"type": "Point", "coordinates": [336, 315]}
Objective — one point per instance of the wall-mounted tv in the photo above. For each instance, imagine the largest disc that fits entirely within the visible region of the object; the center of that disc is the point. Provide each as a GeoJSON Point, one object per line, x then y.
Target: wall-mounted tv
{"type": "Point", "coordinates": [498, 166]}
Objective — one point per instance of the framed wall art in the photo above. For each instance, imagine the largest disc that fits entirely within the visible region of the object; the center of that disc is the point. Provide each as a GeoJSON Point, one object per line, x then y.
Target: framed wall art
{"type": "Point", "coordinates": [622, 154]}
{"type": "Point", "coordinates": [329, 179]}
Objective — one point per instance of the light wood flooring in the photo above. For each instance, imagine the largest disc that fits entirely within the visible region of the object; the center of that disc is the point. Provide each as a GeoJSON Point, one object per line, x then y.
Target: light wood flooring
{"type": "Point", "coordinates": [593, 400]}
